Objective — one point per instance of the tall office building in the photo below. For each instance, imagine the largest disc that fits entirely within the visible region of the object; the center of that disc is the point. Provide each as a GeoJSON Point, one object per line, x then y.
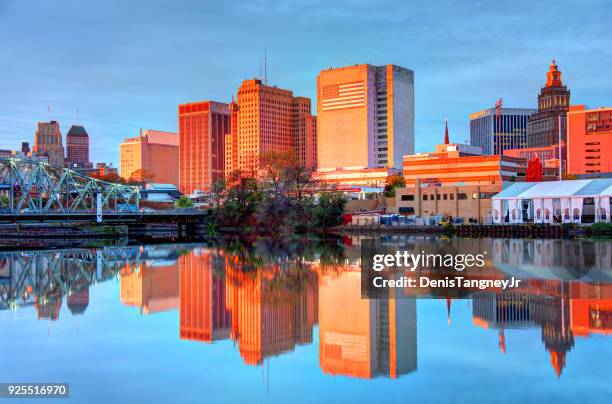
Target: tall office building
{"type": "Point", "coordinates": [77, 147]}
{"type": "Point", "coordinates": [152, 154]}
{"type": "Point", "coordinates": [553, 104]}
{"type": "Point", "coordinates": [365, 116]}
{"type": "Point", "coordinates": [271, 119]}
{"type": "Point", "coordinates": [202, 129]}
{"type": "Point", "coordinates": [304, 132]}
{"type": "Point", "coordinates": [509, 131]}
{"type": "Point", "coordinates": [48, 142]}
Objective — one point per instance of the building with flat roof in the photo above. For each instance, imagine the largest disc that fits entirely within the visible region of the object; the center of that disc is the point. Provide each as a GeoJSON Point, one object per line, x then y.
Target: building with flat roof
{"type": "Point", "coordinates": [202, 130]}
{"type": "Point", "coordinates": [152, 156]}
{"type": "Point", "coordinates": [460, 164]}
{"type": "Point", "coordinates": [491, 134]}
{"type": "Point", "coordinates": [48, 142]}
{"type": "Point", "coordinates": [472, 203]}
{"type": "Point", "coordinates": [270, 119]}
{"type": "Point", "coordinates": [589, 140]}
{"type": "Point", "coordinates": [553, 104]}
{"type": "Point", "coordinates": [365, 116]}
{"type": "Point", "coordinates": [356, 176]}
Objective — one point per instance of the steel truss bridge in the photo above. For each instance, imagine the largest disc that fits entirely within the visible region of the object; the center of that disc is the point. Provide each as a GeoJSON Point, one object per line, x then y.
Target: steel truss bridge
{"type": "Point", "coordinates": [37, 277]}
{"type": "Point", "coordinates": [29, 187]}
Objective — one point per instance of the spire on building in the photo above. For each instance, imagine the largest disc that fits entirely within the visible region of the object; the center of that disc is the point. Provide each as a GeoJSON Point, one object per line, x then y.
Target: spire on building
{"type": "Point", "coordinates": [448, 308]}
{"type": "Point", "coordinates": [446, 139]}
{"type": "Point", "coordinates": [557, 359]}
{"type": "Point", "coordinates": [553, 77]}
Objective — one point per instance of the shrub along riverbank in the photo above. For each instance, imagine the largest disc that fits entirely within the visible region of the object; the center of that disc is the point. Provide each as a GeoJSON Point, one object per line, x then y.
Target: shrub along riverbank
{"type": "Point", "coordinates": [280, 200]}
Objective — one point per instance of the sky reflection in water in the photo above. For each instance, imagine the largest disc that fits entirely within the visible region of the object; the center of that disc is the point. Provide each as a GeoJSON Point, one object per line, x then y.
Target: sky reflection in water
{"type": "Point", "coordinates": [277, 322]}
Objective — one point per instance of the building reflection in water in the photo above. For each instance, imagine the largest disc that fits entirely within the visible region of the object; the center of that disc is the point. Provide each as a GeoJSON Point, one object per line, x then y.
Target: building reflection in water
{"type": "Point", "coordinates": [152, 285]}
{"type": "Point", "coordinates": [364, 337]}
{"type": "Point", "coordinates": [267, 302]}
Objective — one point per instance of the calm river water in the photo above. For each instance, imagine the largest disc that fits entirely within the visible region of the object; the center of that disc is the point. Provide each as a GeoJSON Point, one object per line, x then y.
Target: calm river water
{"type": "Point", "coordinates": [285, 322]}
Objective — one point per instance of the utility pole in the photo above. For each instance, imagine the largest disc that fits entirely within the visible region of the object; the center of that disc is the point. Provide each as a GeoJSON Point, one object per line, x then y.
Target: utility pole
{"type": "Point", "coordinates": [498, 111]}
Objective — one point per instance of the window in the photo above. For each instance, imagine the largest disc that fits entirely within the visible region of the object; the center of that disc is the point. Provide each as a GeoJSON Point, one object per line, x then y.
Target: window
{"type": "Point", "coordinates": [444, 197]}
{"type": "Point", "coordinates": [407, 197]}
{"type": "Point", "coordinates": [424, 197]}
{"type": "Point", "coordinates": [475, 195]}
{"type": "Point", "coordinates": [452, 197]}
{"type": "Point", "coordinates": [406, 209]}
{"type": "Point", "coordinates": [438, 197]}
{"type": "Point", "coordinates": [462, 195]}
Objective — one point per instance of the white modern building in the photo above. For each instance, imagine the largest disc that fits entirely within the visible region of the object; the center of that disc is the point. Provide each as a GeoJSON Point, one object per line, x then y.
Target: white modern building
{"type": "Point", "coordinates": [576, 201]}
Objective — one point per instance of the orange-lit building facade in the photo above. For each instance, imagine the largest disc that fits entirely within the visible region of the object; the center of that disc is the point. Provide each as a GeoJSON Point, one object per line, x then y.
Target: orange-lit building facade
{"type": "Point", "coordinates": [151, 288]}
{"type": "Point", "coordinates": [454, 164]}
{"type": "Point", "coordinates": [375, 337]}
{"type": "Point", "coordinates": [48, 142]}
{"type": "Point", "coordinates": [548, 125]}
{"type": "Point", "coordinates": [589, 140]}
{"type": "Point", "coordinates": [355, 176]}
{"type": "Point", "coordinates": [365, 116]}
{"type": "Point", "coordinates": [270, 119]}
{"type": "Point", "coordinates": [202, 130]}
{"type": "Point", "coordinates": [204, 315]}
{"type": "Point", "coordinates": [154, 152]}
{"type": "Point", "coordinates": [548, 155]}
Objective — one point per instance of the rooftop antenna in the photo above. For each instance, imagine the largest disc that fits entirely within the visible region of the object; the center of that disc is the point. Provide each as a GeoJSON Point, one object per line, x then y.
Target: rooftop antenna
{"type": "Point", "coordinates": [265, 66]}
{"type": "Point", "coordinates": [260, 71]}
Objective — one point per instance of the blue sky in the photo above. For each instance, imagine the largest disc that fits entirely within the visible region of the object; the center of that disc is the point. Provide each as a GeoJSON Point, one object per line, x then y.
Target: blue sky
{"type": "Point", "coordinates": [127, 64]}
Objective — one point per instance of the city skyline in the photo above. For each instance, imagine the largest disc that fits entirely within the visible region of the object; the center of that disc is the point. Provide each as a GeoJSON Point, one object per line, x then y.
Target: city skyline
{"type": "Point", "coordinates": [133, 74]}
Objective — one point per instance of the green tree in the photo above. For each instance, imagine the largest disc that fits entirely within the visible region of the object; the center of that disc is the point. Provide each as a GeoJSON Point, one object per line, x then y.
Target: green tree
{"type": "Point", "coordinates": [183, 202]}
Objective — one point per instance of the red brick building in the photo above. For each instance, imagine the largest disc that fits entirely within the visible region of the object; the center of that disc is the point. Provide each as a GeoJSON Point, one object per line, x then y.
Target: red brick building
{"type": "Point", "coordinates": [202, 129]}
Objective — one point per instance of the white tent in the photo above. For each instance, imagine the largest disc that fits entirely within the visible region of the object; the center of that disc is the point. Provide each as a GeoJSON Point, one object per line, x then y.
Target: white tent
{"type": "Point", "coordinates": [574, 201]}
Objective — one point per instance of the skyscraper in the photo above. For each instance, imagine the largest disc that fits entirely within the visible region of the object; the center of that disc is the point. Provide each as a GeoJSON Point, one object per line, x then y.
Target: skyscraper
{"type": "Point", "coordinates": [553, 104]}
{"type": "Point", "coordinates": [77, 147]}
{"type": "Point", "coordinates": [202, 129]}
{"type": "Point", "coordinates": [271, 119]}
{"type": "Point", "coordinates": [365, 116]}
{"type": "Point", "coordinates": [510, 130]}
{"type": "Point", "coordinates": [48, 142]}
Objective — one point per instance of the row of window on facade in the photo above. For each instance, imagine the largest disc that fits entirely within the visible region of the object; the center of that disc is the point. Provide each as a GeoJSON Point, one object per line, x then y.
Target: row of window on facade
{"type": "Point", "coordinates": [450, 196]}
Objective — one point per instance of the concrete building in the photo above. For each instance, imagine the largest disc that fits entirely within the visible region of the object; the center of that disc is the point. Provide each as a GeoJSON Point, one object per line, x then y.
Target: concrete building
{"type": "Point", "coordinates": [469, 202]}
{"type": "Point", "coordinates": [270, 119]}
{"type": "Point", "coordinates": [77, 148]}
{"type": "Point", "coordinates": [576, 201]}
{"type": "Point", "coordinates": [553, 104]}
{"type": "Point", "coordinates": [48, 142]}
{"type": "Point", "coordinates": [202, 129]}
{"type": "Point", "coordinates": [365, 116]}
{"type": "Point", "coordinates": [491, 134]}
{"type": "Point", "coordinates": [152, 153]}
{"type": "Point", "coordinates": [589, 140]}
{"type": "Point", "coordinates": [460, 164]}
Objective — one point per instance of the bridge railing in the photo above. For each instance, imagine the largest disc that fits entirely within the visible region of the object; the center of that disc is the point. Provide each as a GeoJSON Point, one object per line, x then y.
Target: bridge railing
{"type": "Point", "coordinates": [29, 186]}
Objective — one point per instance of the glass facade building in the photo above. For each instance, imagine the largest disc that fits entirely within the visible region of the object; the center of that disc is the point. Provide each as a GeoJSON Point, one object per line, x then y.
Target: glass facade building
{"type": "Point", "coordinates": [509, 131]}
